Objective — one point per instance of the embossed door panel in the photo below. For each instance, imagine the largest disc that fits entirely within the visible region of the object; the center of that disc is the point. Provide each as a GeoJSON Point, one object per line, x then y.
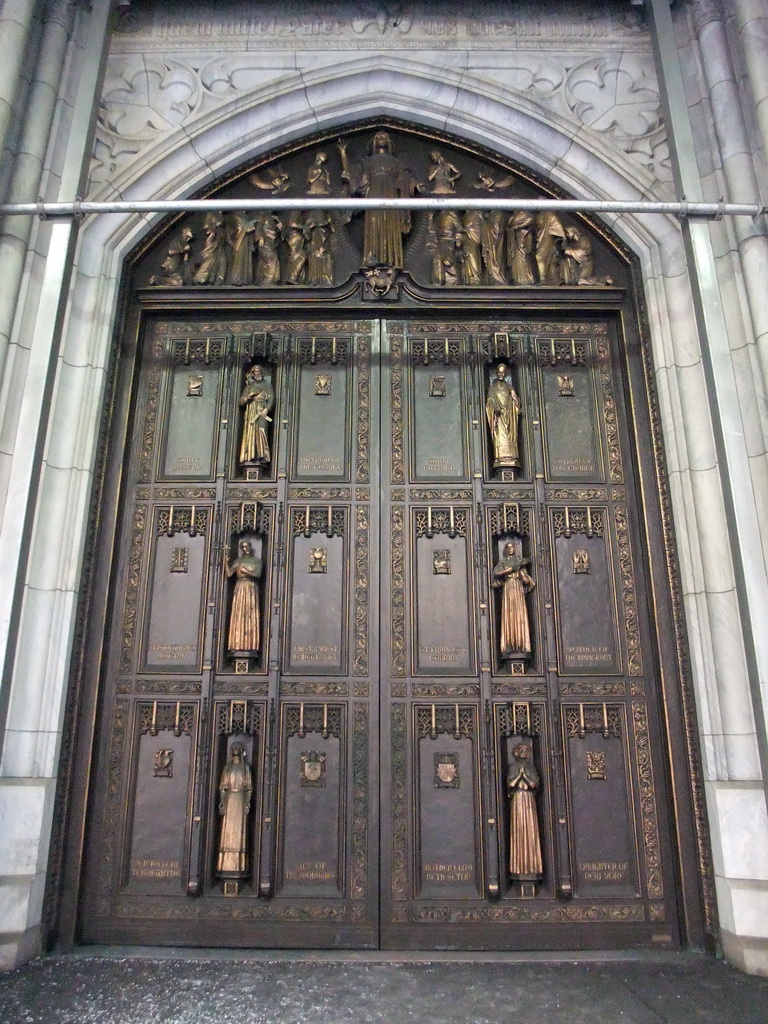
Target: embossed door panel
{"type": "Point", "coordinates": [378, 672]}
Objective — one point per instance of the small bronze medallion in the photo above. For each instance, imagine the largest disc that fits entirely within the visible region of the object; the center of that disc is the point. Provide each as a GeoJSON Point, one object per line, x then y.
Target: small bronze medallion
{"type": "Point", "coordinates": [163, 764]}
{"type": "Point", "coordinates": [446, 771]}
{"type": "Point", "coordinates": [437, 387]}
{"type": "Point", "coordinates": [180, 560]}
{"type": "Point", "coordinates": [596, 764]}
{"type": "Point", "coordinates": [312, 769]}
{"type": "Point", "coordinates": [564, 385]}
{"type": "Point", "coordinates": [318, 560]}
{"type": "Point", "coordinates": [441, 562]}
{"type": "Point", "coordinates": [323, 384]}
{"type": "Point", "coordinates": [581, 561]}
{"type": "Point", "coordinates": [195, 385]}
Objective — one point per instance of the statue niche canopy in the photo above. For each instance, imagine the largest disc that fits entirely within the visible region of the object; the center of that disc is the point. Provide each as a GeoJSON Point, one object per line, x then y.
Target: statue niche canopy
{"type": "Point", "coordinates": [390, 255]}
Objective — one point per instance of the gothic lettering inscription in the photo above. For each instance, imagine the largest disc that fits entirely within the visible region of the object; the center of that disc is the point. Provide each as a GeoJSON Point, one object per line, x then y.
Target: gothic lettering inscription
{"type": "Point", "coordinates": [449, 654]}
{"type": "Point", "coordinates": [149, 867]}
{"type": "Point", "coordinates": [172, 652]}
{"type": "Point", "coordinates": [310, 871]}
{"type": "Point", "coordinates": [604, 870]}
{"type": "Point", "coordinates": [588, 653]}
{"type": "Point", "coordinates": [447, 873]}
{"type": "Point", "coordinates": [328, 464]}
{"type": "Point", "coordinates": [316, 652]}
{"type": "Point", "coordinates": [565, 465]}
{"type": "Point", "coordinates": [439, 466]}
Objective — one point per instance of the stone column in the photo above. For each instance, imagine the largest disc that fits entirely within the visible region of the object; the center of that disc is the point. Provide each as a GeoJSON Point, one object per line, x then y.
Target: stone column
{"type": "Point", "coordinates": [16, 21]}
{"type": "Point", "coordinates": [36, 603]}
{"type": "Point", "coordinates": [751, 22]}
{"type": "Point", "coordinates": [29, 162]}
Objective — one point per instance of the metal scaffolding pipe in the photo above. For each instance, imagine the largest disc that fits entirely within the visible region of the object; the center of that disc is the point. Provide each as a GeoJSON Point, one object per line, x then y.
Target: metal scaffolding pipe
{"type": "Point", "coordinates": [82, 208]}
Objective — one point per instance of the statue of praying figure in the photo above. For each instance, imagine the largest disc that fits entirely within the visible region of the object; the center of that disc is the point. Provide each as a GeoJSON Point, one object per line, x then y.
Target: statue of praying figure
{"type": "Point", "coordinates": [235, 788]}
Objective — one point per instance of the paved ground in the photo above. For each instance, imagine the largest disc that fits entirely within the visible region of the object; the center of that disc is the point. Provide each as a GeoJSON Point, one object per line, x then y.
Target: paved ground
{"type": "Point", "coordinates": [276, 988]}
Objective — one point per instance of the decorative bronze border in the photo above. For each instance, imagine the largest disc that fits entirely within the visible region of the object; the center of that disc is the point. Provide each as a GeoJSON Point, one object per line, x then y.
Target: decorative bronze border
{"type": "Point", "coordinates": [362, 589]}
{"type": "Point", "coordinates": [615, 467]}
{"type": "Point", "coordinates": [363, 409]}
{"type": "Point", "coordinates": [563, 912]}
{"type": "Point", "coordinates": [128, 636]}
{"type": "Point", "coordinates": [628, 596]}
{"type": "Point", "coordinates": [648, 819]}
{"type": "Point", "coordinates": [319, 493]}
{"type": "Point", "coordinates": [396, 351]}
{"type": "Point", "coordinates": [111, 820]}
{"type": "Point", "coordinates": [592, 689]}
{"type": "Point", "coordinates": [359, 872]}
{"type": "Point", "coordinates": [399, 804]}
{"type": "Point", "coordinates": [144, 472]}
{"type": "Point", "coordinates": [397, 595]}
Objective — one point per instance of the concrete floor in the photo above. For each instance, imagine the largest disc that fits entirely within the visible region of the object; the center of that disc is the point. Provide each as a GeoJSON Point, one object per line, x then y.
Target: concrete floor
{"type": "Point", "coordinates": [207, 987]}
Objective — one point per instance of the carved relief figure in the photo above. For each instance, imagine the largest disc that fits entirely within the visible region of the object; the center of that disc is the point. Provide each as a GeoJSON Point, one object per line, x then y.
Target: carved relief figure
{"type": "Point", "coordinates": [510, 574]}
{"type": "Point", "coordinates": [318, 176]}
{"type": "Point", "coordinates": [381, 175]}
{"type": "Point", "coordinates": [176, 267]}
{"type": "Point", "coordinates": [549, 238]}
{"type": "Point", "coordinates": [443, 175]}
{"type": "Point", "coordinates": [235, 788]}
{"type": "Point", "coordinates": [240, 238]}
{"type": "Point", "coordinates": [213, 262]}
{"type": "Point", "coordinates": [258, 397]}
{"type": "Point", "coordinates": [521, 245]}
{"type": "Point", "coordinates": [578, 264]}
{"type": "Point", "coordinates": [267, 231]}
{"type": "Point", "coordinates": [493, 247]}
{"type": "Point", "coordinates": [445, 229]}
{"type": "Point", "coordinates": [502, 408]}
{"type": "Point", "coordinates": [472, 266]}
{"type": "Point", "coordinates": [523, 780]}
{"type": "Point", "coordinates": [320, 226]}
{"type": "Point", "coordinates": [294, 234]}
{"type": "Point", "coordinates": [244, 621]}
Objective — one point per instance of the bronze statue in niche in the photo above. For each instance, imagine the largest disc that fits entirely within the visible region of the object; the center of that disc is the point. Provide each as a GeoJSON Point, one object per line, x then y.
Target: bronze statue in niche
{"type": "Point", "coordinates": [521, 245]}
{"type": "Point", "coordinates": [380, 175]}
{"type": "Point", "coordinates": [257, 398]}
{"type": "Point", "coordinates": [550, 236]}
{"type": "Point", "coordinates": [523, 780]}
{"type": "Point", "coordinates": [320, 265]}
{"type": "Point", "coordinates": [510, 575]}
{"type": "Point", "coordinates": [235, 789]}
{"type": "Point", "coordinates": [244, 636]}
{"type": "Point", "coordinates": [445, 230]}
{"type": "Point", "coordinates": [502, 409]}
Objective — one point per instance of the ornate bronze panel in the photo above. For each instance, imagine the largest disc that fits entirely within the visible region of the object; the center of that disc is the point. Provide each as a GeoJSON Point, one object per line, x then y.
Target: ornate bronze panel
{"type": "Point", "coordinates": [381, 665]}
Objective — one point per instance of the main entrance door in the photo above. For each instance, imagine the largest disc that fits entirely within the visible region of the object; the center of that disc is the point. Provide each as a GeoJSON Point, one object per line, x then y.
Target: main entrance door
{"type": "Point", "coordinates": [381, 662]}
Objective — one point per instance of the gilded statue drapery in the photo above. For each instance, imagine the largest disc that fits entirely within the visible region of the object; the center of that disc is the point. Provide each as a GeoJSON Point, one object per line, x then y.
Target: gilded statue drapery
{"type": "Point", "coordinates": [502, 409]}
{"type": "Point", "coordinates": [244, 620]}
{"type": "Point", "coordinates": [235, 787]}
{"type": "Point", "coordinates": [523, 780]}
{"type": "Point", "coordinates": [381, 175]}
{"type": "Point", "coordinates": [511, 576]}
{"type": "Point", "coordinates": [258, 397]}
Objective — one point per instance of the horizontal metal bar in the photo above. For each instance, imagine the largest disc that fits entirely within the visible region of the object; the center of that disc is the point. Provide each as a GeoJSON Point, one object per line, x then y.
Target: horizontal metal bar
{"type": "Point", "coordinates": [81, 208]}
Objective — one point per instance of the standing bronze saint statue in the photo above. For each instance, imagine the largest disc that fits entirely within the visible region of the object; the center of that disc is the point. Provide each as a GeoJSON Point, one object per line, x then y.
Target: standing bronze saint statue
{"type": "Point", "coordinates": [244, 635]}
{"type": "Point", "coordinates": [235, 788]}
{"type": "Point", "coordinates": [258, 397]}
{"type": "Point", "coordinates": [502, 408]}
{"type": "Point", "coordinates": [381, 175]}
{"type": "Point", "coordinates": [511, 575]}
{"type": "Point", "coordinates": [525, 862]}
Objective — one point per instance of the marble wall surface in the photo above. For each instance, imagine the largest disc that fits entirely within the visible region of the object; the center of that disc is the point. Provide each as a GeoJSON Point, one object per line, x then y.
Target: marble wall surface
{"type": "Point", "coordinates": [193, 89]}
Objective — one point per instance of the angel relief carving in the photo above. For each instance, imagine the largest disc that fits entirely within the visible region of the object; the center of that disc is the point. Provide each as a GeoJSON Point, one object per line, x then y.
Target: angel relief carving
{"type": "Point", "coordinates": [319, 248]}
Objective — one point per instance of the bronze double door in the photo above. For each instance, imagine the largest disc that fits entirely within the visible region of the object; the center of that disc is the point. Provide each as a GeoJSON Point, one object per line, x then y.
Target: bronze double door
{"type": "Point", "coordinates": [319, 724]}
